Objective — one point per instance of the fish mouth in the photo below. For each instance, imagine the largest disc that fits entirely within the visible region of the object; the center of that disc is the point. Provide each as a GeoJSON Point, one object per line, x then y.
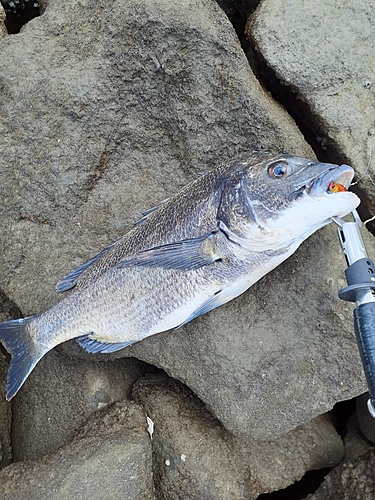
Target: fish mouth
{"type": "Point", "coordinates": [341, 175]}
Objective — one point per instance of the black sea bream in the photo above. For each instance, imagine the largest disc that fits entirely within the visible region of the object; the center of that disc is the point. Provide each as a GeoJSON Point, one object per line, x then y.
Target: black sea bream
{"type": "Point", "coordinates": [192, 253]}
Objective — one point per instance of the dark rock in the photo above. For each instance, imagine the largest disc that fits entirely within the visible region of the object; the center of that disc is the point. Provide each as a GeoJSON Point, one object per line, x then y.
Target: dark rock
{"type": "Point", "coordinates": [60, 395]}
{"type": "Point", "coordinates": [276, 357]}
{"type": "Point", "coordinates": [5, 418]}
{"type": "Point", "coordinates": [355, 442]}
{"type": "Point", "coordinates": [353, 480]}
{"type": "Point", "coordinates": [196, 458]}
{"type": "Point", "coordinates": [323, 53]}
{"type": "Point", "coordinates": [110, 457]}
{"type": "Point", "coordinates": [8, 310]}
{"type": "Point", "coordinates": [365, 420]}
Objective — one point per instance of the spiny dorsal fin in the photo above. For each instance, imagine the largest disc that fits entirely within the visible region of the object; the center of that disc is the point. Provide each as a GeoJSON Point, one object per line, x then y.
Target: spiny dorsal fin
{"type": "Point", "coordinates": [70, 280]}
{"type": "Point", "coordinates": [148, 212]}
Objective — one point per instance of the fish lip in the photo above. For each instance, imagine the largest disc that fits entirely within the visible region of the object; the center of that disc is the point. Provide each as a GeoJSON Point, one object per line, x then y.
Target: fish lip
{"type": "Point", "coordinates": [341, 174]}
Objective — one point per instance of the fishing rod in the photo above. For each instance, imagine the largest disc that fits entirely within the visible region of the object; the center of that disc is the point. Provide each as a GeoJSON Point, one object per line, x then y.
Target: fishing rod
{"type": "Point", "coordinates": [360, 276]}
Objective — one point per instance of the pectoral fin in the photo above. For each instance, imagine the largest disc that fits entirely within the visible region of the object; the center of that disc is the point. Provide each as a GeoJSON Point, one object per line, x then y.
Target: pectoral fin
{"type": "Point", "coordinates": [184, 255]}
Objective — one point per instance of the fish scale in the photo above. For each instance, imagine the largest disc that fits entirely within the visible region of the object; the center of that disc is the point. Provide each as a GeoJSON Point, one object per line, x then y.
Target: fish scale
{"type": "Point", "coordinates": [192, 253]}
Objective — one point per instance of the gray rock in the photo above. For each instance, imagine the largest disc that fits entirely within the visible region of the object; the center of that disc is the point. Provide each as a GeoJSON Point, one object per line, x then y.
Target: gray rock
{"type": "Point", "coordinates": [5, 418]}
{"type": "Point", "coordinates": [324, 52]}
{"type": "Point", "coordinates": [365, 420]}
{"type": "Point", "coordinates": [276, 357]}
{"type": "Point", "coordinates": [355, 442]}
{"type": "Point", "coordinates": [114, 111]}
{"type": "Point", "coordinates": [59, 397]}
{"type": "Point", "coordinates": [196, 458]}
{"type": "Point", "coordinates": [8, 310]}
{"type": "Point", "coordinates": [353, 480]}
{"type": "Point", "coordinates": [3, 30]}
{"type": "Point", "coordinates": [110, 457]}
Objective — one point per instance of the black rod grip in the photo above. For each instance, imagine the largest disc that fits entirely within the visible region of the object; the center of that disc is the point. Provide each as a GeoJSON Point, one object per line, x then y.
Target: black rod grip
{"type": "Point", "coordinates": [364, 323]}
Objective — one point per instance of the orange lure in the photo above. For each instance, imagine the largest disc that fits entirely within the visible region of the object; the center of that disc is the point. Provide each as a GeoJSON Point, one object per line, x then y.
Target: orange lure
{"type": "Point", "coordinates": [336, 187]}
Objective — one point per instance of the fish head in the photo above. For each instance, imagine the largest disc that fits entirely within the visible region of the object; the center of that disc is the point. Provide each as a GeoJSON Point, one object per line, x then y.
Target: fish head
{"type": "Point", "coordinates": [272, 201]}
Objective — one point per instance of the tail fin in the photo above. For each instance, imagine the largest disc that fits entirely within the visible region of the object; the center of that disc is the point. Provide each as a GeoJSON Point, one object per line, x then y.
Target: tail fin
{"type": "Point", "coordinates": [14, 338]}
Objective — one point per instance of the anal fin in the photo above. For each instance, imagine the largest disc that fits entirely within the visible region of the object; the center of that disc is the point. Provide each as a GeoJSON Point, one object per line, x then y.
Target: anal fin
{"type": "Point", "coordinates": [91, 345]}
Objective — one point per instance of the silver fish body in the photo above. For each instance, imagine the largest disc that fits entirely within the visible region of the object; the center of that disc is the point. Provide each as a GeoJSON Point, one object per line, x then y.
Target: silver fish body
{"type": "Point", "coordinates": [193, 253]}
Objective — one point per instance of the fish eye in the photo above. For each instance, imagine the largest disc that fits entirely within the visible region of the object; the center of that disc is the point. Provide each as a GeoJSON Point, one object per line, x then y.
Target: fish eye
{"type": "Point", "coordinates": [278, 169]}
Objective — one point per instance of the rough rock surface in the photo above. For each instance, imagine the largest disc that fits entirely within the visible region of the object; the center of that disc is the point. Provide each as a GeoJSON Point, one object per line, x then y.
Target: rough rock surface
{"type": "Point", "coordinates": [107, 111]}
{"type": "Point", "coordinates": [110, 457]}
{"type": "Point", "coordinates": [60, 395]}
{"type": "Point", "coordinates": [350, 481]}
{"type": "Point", "coordinates": [5, 418]}
{"type": "Point", "coordinates": [324, 52]}
{"type": "Point", "coordinates": [8, 310]}
{"type": "Point", "coordinates": [365, 420]}
{"type": "Point", "coordinates": [282, 353]}
{"type": "Point", "coordinates": [355, 442]}
{"type": "Point", "coordinates": [112, 112]}
{"type": "Point", "coordinates": [196, 458]}
{"type": "Point", "coordinates": [3, 30]}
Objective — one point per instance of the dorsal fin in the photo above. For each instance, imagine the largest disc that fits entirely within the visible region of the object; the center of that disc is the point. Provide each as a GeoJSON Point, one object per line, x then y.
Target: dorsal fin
{"type": "Point", "coordinates": [148, 212]}
{"type": "Point", "coordinates": [70, 280]}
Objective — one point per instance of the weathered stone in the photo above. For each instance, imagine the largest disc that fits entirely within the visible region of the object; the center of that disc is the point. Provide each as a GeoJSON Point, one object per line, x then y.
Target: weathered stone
{"type": "Point", "coordinates": [110, 457]}
{"type": "Point", "coordinates": [130, 103]}
{"type": "Point", "coordinates": [350, 481]}
{"type": "Point", "coordinates": [5, 417]}
{"type": "Point", "coordinates": [195, 457]}
{"type": "Point", "coordinates": [60, 395]}
{"type": "Point", "coordinates": [365, 420]}
{"type": "Point", "coordinates": [355, 442]}
{"type": "Point", "coordinates": [8, 310]}
{"type": "Point", "coordinates": [279, 355]}
{"type": "Point", "coordinates": [324, 52]}
{"type": "Point", "coordinates": [3, 30]}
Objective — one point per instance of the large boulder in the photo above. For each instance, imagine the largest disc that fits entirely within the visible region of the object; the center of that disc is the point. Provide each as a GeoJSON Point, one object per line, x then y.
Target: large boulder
{"type": "Point", "coordinates": [60, 395]}
{"type": "Point", "coordinates": [323, 52]}
{"type": "Point", "coordinates": [196, 458]}
{"type": "Point", "coordinates": [110, 457]}
{"type": "Point", "coordinates": [352, 480]}
{"type": "Point", "coordinates": [106, 112]}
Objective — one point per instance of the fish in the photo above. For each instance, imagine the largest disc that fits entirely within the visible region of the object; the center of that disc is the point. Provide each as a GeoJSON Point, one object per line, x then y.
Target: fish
{"type": "Point", "coordinates": [192, 253]}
